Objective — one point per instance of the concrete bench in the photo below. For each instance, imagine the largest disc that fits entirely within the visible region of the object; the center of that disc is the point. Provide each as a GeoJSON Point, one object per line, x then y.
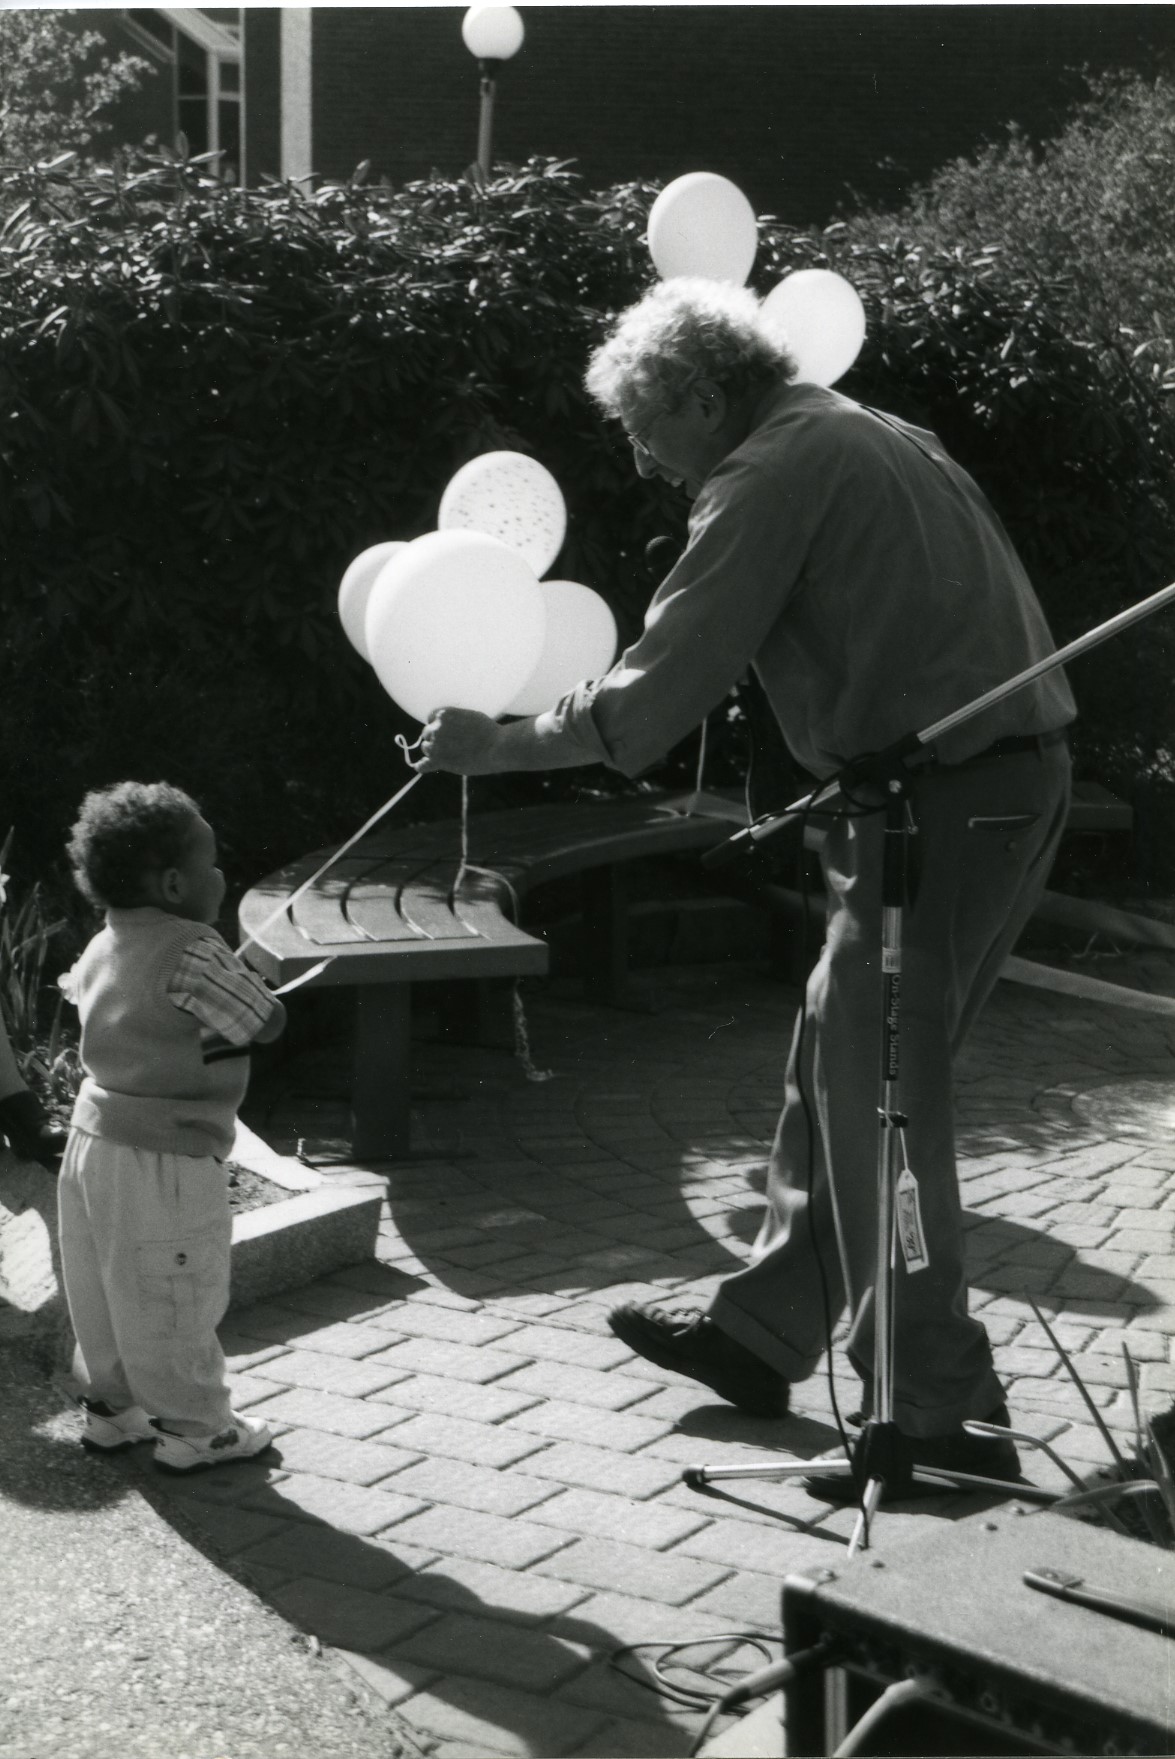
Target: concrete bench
{"type": "Point", "coordinates": [387, 917]}
{"type": "Point", "coordinates": [1094, 809]}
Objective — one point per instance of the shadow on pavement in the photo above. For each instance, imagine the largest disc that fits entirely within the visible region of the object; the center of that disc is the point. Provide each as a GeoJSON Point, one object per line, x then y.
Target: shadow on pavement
{"type": "Point", "coordinates": [1007, 1257]}
{"type": "Point", "coordinates": [397, 1605]}
{"type": "Point", "coordinates": [41, 1463]}
{"type": "Point", "coordinates": [1019, 1260]}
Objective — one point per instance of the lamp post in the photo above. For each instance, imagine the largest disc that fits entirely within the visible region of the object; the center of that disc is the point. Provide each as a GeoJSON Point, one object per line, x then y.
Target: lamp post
{"type": "Point", "coordinates": [492, 33]}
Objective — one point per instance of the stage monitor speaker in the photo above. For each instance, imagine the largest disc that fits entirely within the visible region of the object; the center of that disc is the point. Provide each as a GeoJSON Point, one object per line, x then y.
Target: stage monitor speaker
{"type": "Point", "coordinates": [1006, 1669]}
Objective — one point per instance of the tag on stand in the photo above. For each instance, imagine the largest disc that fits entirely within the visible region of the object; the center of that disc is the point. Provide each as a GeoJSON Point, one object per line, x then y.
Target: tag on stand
{"type": "Point", "coordinates": [909, 1219]}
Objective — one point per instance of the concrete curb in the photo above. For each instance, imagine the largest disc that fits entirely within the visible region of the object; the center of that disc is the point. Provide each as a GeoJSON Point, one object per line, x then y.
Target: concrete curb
{"type": "Point", "coordinates": [320, 1227]}
{"type": "Point", "coordinates": [290, 1243]}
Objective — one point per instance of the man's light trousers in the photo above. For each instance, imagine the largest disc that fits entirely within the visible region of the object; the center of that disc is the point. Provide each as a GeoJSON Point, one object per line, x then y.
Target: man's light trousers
{"type": "Point", "coordinates": [977, 878]}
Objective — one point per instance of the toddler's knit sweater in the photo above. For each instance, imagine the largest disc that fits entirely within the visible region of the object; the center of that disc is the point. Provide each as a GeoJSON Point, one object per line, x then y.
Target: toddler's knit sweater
{"type": "Point", "coordinates": [147, 1083]}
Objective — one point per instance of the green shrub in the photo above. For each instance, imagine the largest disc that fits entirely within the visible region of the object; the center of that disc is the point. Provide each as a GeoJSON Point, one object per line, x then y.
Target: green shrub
{"type": "Point", "coordinates": [58, 82]}
{"type": "Point", "coordinates": [1088, 211]}
{"type": "Point", "coordinates": [31, 1009]}
{"type": "Point", "coordinates": [215, 398]}
{"type": "Point", "coordinates": [1074, 445]}
{"type": "Point", "coordinates": [1023, 304]}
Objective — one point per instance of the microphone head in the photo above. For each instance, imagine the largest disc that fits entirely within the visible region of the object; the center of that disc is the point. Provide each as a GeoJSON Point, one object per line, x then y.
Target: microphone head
{"type": "Point", "coordinates": [661, 552]}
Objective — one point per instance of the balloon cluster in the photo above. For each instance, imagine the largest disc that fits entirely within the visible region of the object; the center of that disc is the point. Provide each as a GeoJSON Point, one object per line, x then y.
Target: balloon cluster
{"type": "Point", "coordinates": [703, 225]}
{"type": "Point", "coordinates": [461, 618]}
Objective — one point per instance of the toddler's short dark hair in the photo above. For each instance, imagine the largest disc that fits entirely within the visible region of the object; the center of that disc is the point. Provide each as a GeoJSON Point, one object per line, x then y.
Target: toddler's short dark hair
{"type": "Point", "coordinates": [125, 832]}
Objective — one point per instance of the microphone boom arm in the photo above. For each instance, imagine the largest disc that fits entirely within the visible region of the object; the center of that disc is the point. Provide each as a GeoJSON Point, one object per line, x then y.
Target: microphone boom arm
{"type": "Point", "coordinates": [894, 755]}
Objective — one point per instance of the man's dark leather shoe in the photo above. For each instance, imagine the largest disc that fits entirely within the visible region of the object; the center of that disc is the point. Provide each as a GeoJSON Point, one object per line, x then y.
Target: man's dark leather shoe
{"type": "Point", "coordinates": [688, 1342]}
{"type": "Point", "coordinates": [31, 1135]}
{"type": "Point", "coordinates": [979, 1456]}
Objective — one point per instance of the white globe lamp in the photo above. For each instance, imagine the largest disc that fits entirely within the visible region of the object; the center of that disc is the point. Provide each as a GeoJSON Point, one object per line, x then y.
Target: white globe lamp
{"type": "Point", "coordinates": [493, 34]}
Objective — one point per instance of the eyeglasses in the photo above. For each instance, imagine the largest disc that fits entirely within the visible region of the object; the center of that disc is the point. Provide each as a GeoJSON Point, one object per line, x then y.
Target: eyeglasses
{"type": "Point", "coordinates": [639, 441]}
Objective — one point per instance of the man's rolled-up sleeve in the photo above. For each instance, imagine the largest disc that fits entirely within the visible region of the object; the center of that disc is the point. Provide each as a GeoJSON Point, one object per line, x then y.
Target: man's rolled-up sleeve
{"type": "Point", "coordinates": [705, 625]}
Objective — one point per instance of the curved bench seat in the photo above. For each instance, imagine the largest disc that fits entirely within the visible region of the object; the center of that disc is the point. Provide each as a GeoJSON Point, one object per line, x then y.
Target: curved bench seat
{"type": "Point", "coordinates": [391, 913]}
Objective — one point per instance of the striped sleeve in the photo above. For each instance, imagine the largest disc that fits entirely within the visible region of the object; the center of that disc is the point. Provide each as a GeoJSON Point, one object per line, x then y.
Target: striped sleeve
{"type": "Point", "coordinates": [231, 1004]}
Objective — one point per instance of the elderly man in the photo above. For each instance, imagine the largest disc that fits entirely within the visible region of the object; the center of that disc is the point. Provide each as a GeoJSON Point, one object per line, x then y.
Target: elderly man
{"type": "Point", "coordinates": [871, 586]}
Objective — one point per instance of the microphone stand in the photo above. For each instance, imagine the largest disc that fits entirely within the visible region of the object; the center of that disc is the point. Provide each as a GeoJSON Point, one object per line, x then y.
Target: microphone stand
{"type": "Point", "coordinates": [879, 1460]}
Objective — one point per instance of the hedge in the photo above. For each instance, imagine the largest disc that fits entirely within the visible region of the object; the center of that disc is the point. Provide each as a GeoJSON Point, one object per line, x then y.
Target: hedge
{"type": "Point", "coordinates": [213, 398]}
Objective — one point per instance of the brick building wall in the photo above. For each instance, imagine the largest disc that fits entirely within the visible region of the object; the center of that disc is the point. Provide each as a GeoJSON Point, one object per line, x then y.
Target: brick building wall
{"type": "Point", "coordinates": [800, 105]}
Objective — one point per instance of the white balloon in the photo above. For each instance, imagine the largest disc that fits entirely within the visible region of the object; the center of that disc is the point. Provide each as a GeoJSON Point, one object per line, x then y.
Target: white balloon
{"type": "Point", "coordinates": [703, 224]}
{"type": "Point", "coordinates": [819, 315]}
{"type": "Point", "coordinates": [511, 497]}
{"type": "Point", "coordinates": [355, 590]}
{"type": "Point", "coordinates": [580, 643]}
{"type": "Point", "coordinates": [456, 620]}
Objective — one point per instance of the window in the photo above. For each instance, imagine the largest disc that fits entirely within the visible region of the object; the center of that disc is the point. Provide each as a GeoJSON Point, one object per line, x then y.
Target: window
{"type": "Point", "coordinates": [203, 46]}
{"type": "Point", "coordinates": [191, 91]}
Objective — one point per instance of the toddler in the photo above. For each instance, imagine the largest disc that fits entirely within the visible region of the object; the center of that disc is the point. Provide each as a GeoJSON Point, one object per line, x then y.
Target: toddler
{"type": "Point", "coordinates": [168, 1012]}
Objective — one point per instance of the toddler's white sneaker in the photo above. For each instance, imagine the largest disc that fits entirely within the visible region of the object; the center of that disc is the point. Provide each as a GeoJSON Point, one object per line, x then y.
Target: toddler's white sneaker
{"type": "Point", "coordinates": [108, 1431]}
{"type": "Point", "coordinates": [241, 1439]}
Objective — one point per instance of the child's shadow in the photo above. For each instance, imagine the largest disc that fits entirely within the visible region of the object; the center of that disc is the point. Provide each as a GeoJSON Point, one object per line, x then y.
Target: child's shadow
{"type": "Point", "coordinates": [41, 1464]}
{"type": "Point", "coordinates": [542, 1676]}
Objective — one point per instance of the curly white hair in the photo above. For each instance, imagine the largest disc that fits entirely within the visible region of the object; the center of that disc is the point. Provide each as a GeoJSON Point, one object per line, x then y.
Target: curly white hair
{"type": "Point", "coordinates": [682, 330]}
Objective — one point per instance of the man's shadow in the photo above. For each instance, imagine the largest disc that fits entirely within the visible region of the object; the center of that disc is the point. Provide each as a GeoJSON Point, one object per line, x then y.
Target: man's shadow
{"type": "Point", "coordinates": [544, 1674]}
{"type": "Point", "coordinates": [545, 1679]}
{"type": "Point", "coordinates": [1009, 1257]}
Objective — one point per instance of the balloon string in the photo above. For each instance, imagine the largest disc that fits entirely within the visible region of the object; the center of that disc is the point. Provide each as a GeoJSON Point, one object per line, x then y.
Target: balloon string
{"type": "Point", "coordinates": [464, 864]}
{"type": "Point", "coordinates": [522, 1040]}
{"type": "Point", "coordinates": [521, 1034]}
{"type": "Point", "coordinates": [288, 903]}
{"type": "Point", "coordinates": [701, 762]}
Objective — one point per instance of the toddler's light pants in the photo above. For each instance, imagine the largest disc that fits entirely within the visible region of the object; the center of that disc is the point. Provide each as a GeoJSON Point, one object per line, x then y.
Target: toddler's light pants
{"type": "Point", "coordinates": [979, 875]}
{"type": "Point", "coordinates": [145, 1251]}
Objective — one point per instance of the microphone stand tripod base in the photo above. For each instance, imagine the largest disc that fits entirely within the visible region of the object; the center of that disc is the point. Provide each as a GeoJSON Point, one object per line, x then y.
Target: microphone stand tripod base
{"type": "Point", "coordinates": [877, 1453]}
{"type": "Point", "coordinates": [698, 1477]}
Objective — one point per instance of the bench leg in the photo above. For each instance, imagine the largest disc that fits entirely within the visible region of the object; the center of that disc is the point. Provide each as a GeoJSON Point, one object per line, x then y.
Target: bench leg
{"type": "Point", "coordinates": [605, 935]}
{"type": "Point", "coordinates": [381, 1074]}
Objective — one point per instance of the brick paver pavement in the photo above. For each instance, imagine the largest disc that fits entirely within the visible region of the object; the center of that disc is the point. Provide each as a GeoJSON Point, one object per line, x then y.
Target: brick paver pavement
{"type": "Point", "coordinates": [477, 1492]}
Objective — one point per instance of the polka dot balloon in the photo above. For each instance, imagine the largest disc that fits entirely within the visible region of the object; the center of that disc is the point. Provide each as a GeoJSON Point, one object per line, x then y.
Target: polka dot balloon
{"type": "Point", "coordinates": [511, 497]}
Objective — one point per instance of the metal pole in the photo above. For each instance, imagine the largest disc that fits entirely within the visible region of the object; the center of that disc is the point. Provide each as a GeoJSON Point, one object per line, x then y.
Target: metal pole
{"type": "Point", "coordinates": [891, 1121]}
{"type": "Point", "coordinates": [1092, 638]}
{"type": "Point", "coordinates": [485, 120]}
{"type": "Point", "coordinates": [829, 791]}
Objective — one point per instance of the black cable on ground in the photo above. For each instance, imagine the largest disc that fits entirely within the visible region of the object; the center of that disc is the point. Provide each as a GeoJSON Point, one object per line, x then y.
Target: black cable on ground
{"type": "Point", "coordinates": [757, 1685]}
{"type": "Point", "coordinates": [693, 1697]}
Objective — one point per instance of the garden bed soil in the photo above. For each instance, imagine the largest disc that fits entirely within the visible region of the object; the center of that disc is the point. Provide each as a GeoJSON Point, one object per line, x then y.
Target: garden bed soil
{"type": "Point", "coordinates": [249, 1190]}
